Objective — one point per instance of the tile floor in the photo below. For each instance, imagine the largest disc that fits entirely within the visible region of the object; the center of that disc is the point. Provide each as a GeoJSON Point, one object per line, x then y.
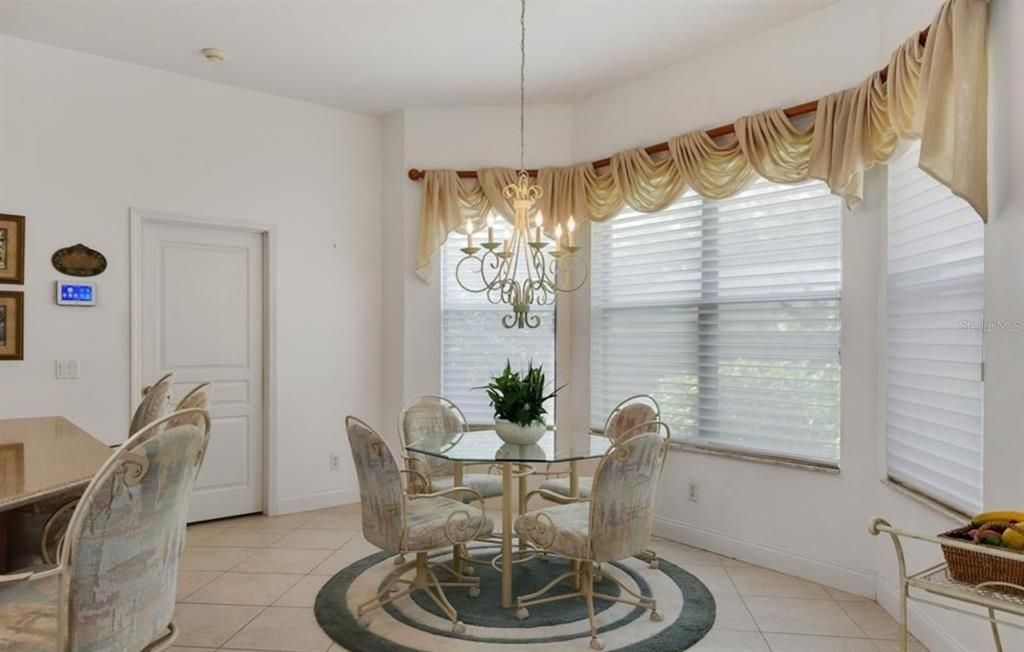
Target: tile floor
{"type": "Point", "coordinates": [249, 584]}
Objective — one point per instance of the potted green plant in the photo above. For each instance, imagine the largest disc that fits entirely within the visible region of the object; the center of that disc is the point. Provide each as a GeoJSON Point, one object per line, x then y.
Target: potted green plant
{"type": "Point", "coordinates": [518, 402]}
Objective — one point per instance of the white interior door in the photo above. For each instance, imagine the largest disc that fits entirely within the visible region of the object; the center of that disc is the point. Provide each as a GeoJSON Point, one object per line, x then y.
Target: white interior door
{"type": "Point", "coordinates": [201, 293]}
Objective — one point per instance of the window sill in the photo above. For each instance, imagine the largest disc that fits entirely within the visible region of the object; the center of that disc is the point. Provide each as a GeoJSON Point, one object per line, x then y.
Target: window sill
{"type": "Point", "coordinates": [953, 515]}
{"type": "Point", "coordinates": [688, 446]}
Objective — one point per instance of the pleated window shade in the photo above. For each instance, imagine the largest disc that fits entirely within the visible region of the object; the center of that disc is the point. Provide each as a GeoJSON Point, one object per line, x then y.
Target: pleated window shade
{"type": "Point", "coordinates": [935, 315]}
{"type": "Point", "coordinates": [474, 344]}
{"type": "Point", "coordinates": [727, 312]}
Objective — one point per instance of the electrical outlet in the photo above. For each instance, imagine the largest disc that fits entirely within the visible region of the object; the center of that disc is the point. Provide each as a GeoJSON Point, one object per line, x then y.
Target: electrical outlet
{"type": "Point", "coordinates": [335, 462]}
{"type": "Point", "coordinates": [692, 497]}
{"type": "Point", "coordinates": [66, 369]}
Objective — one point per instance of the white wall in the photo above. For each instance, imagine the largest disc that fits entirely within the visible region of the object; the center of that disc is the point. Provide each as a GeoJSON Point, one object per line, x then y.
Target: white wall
{"type": "Point", "coordinates": [83, 139]}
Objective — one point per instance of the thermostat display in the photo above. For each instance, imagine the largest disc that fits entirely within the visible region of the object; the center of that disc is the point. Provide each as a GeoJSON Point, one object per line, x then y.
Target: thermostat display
{"type": "Point", "coordinates": [76, 294]}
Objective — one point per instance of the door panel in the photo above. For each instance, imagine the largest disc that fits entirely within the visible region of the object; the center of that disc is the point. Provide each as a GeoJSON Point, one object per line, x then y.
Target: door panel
{"type": "Point", "coordinates": [202, 318]}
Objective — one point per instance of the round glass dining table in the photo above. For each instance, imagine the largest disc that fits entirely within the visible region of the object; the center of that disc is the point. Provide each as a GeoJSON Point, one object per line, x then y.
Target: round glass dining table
{"type": "Point", "coordinates": [485, 447]}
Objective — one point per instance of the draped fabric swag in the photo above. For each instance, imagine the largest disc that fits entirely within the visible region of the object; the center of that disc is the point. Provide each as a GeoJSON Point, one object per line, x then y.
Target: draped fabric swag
{"type": "Point", "coordinates": [936, 93]}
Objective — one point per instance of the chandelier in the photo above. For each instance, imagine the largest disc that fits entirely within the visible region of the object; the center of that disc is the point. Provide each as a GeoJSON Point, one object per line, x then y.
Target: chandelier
{"type": "Point", "coordinates": [518, 271]}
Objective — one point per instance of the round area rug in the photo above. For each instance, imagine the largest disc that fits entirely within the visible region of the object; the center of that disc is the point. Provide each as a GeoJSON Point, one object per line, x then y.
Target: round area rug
{"type": "Point", "coordinates": [415, 623]}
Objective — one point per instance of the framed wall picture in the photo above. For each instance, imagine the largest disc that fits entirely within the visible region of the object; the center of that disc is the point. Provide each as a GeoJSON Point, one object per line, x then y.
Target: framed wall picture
{"type": "Point", "coordinates": [12, 325]}
{"type": "Point", "coordinates": [12, 249]}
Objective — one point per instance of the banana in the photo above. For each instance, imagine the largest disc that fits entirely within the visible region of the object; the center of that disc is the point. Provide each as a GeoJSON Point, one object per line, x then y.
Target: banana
{"type": "Point", "coordinates": [1002, 515]}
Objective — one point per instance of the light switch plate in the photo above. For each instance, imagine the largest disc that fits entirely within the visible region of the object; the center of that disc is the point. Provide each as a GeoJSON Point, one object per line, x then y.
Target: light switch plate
{"type": "Point", "coordinates": [67, 369]}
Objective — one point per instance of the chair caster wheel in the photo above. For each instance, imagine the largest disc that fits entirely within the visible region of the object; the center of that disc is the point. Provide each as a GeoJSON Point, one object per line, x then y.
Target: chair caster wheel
{"type": "Point", "coordinates": [544, 557]}
{"type": "Point", "coordinates": [399, 560]}
{"type": "Point", "coordinates": [522, 613]}
{"type": "Point", "coordinates": [363, 621]}
{"type": "Point", "coordinates": [474, 591]}
{"type": "Point", "coordinates": [458, 628]}
{"type": "Point", "coordinates": [596, 644]}
{"type": "Point", "coordinates": [468, 570]}
{"type": "Point", "coordinates": [653, 564]}
{"type": "Point", "coordinates": [657, 617]}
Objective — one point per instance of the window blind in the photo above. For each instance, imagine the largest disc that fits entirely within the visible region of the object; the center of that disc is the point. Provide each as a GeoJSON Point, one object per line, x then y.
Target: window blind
{"type": "Point", "coordinates": [727, 312]}
{"type": "Point", "coordinates": [935, 317]}
{"type": "Point", "coordinates": [474, 344]}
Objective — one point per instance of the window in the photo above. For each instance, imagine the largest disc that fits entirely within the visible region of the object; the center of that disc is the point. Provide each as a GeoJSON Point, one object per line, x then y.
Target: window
{"type": "Point", "coordinates": [935, 317]}
{"type": "Point", "coordinates": [474, 344]}
{"type": "Point", "coordinates": [727, 312]}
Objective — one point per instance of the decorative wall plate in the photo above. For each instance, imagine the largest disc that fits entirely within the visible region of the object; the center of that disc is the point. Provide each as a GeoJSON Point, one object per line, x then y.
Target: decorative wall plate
{"type": "Point", "coordinates": [79, 260]}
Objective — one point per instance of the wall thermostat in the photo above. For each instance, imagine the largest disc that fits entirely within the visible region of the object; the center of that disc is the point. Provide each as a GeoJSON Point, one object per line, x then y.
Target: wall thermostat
{"type": "Point", "coordinates": [76, 293]}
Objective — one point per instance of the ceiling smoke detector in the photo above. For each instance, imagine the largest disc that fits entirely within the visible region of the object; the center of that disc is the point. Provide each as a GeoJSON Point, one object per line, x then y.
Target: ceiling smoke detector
{"type": "Point", "coordinates": [214, 55]}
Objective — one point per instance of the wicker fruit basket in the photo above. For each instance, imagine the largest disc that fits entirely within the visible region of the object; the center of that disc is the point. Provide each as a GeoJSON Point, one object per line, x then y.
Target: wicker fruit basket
{"type": "Point", "coordinates": [977, 567]}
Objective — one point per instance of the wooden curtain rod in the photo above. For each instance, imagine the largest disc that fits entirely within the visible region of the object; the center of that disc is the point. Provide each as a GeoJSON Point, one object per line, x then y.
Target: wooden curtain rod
{"type": "Point", "coordinates": [791, 112]}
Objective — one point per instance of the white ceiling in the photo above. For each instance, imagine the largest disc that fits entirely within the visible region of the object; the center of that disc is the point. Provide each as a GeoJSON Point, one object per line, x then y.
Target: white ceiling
{"type": "Point", "coordinates": [375, 56]}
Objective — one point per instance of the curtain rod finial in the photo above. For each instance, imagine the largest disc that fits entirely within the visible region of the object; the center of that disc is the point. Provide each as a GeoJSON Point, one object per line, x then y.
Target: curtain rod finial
{"type": "Point", "coordinates": [415, 174]}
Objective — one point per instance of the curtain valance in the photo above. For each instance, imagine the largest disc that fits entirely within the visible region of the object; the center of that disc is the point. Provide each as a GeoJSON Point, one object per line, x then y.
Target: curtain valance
{"type": "Point", "coordinates": [936, 92]}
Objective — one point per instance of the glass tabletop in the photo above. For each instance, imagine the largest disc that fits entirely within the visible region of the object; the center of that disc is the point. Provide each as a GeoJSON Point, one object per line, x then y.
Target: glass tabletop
{"type": "Point", "coordinates": [486, 446]}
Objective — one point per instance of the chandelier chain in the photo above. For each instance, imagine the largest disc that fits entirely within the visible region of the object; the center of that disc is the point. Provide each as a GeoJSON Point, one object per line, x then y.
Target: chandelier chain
{"type": "Point", "coordinates": [516, 270]}
{"type": "Point", "coordinates": [522, 86]}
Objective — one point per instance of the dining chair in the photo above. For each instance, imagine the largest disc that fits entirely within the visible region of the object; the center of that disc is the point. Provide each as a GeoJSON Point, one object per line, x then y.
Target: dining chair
{"type": "Point", "coordinates": [197, 397]}
{"type": "Point", "coordinates": [56, 525]}
{"type": "Point", "coordinates": [624, 418]}
{"type": "Point", "coordinates": [398, 518]}
{"type": "Point", "coordinates": [614, 523]}
{"type": "Point", "coordinates": [114, 583]}
{"type": "Point", "coordinates": [436, 416]}
{"type": "Point", "coordinates": [628, 414]}
{"type": "Point", "coordinates": [153, 405]}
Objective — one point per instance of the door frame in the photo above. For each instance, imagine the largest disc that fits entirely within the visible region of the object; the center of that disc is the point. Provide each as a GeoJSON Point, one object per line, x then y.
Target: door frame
{"type": "Point", "coordinates": [138, 218]}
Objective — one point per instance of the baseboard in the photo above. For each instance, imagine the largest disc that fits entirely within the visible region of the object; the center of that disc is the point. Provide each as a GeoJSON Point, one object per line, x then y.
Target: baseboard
{"type": "Point", "coordinates": [316, 501]}
{"type": "Point", "coordinates": [847, 578]}
{"type": "Point", "coordinates": [926, 629]}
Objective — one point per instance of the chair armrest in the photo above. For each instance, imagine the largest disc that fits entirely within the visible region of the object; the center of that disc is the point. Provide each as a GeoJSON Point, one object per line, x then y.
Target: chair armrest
{"type": "Point", "coordinates": [450, 524]}
{"type": "Point", "coordinates": [14, 578]}
{"type": "Point", "coordinates": [416, 464]}
{"type": "Point", "coordinates": [553, 497]}
{"type": "Point", "coordinates": [29, 576]}
{"type": "Point", "coordinates": [416, 483]}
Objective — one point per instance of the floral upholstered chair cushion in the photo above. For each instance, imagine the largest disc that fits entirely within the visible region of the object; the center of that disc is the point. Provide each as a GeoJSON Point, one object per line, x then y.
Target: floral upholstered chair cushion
{"type": "Point", "coordinates": [120, 555]}
{"type": "Point", "coordinates": [616, 521]}
{"type": "Point", "coordinates": [622, 497]}
{"type": "Point", "coordinates": [560, 530]}
{"type": "Point", "coordinates": [625, 419]}
{"type": "Point", "coordinates": [380, 486]}
{"type": "Point", "coordinates": [438, 522]}
{"type": "Point", "coordinates": [197, 398]}
{"type": "Point", "coordinates": [431, 416]}
{"type": "Point", "coordinates": [153, 405]}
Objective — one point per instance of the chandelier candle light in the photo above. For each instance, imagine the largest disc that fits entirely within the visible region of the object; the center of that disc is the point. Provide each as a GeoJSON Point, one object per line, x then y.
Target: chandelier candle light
{"type": "Point", "coordinates": [521, 274]}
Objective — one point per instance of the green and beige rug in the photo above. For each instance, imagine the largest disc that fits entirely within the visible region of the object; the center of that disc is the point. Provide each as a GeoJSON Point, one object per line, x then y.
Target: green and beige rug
{"type": "Point", "coordinates": [416, 624]}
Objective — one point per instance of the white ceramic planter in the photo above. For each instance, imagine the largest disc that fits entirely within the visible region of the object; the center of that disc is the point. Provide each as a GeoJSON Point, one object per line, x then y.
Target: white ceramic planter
{"type": "Point", "coordinates": [512, 433]}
